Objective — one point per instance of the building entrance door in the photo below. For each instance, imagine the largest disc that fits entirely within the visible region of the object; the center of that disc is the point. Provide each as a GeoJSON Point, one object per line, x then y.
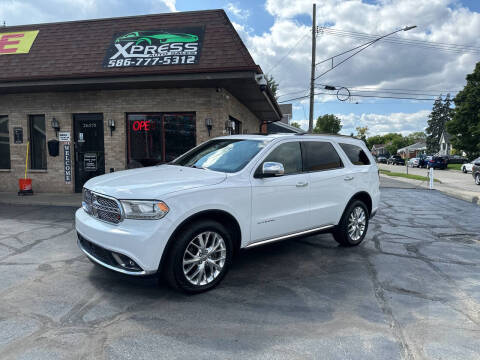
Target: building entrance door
{"type": "Point", "coordinates": [89, 148]}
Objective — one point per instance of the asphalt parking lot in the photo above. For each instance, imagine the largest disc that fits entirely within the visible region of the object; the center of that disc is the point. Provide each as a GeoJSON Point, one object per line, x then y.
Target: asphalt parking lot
{"type": "Point", "coordinates": [411, 291]}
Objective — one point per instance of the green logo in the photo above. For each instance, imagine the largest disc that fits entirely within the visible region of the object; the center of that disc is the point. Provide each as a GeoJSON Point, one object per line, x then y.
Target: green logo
{"type": "Point", "coordinates": [145, 37]}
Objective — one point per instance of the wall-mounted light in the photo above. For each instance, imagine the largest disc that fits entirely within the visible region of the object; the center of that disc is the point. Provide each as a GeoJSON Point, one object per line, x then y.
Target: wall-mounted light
{"type": "Point", "coordinates": [209, 125]}
{"type": "Point", "coordinates": [55, 126]}
{"type": "Point", "coordinates": [111, 125]}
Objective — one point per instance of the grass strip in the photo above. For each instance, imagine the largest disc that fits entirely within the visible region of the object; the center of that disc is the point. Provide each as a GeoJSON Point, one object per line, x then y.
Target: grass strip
{"type": "Point", "coordinates": [407, 176]}
{"type": "Point", "coordinates": [454, 166]}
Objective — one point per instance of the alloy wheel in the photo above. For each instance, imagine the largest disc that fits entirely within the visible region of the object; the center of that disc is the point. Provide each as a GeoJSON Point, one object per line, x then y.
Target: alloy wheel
{"type": "Point", "coordinates": [477, 179]}
{"type": "Point", "coordinates": [356, 223]}
{"type": "Point", "coordinates": [204, 258]}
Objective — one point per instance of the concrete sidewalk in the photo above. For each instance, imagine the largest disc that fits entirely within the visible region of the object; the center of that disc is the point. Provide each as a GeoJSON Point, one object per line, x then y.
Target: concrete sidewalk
{"type": "Point", "coordinates": [467, 195]}
{"type": "Point", "coordinates": [73, 200]}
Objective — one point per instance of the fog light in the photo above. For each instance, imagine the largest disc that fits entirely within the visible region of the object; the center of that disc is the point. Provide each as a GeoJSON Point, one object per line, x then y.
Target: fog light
{"type": "Point", "coordinates": [125, 262]}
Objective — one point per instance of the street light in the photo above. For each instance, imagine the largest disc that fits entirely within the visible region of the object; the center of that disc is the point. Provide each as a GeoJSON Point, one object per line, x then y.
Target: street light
{"type": "Point", "coordinates": [361, 48]}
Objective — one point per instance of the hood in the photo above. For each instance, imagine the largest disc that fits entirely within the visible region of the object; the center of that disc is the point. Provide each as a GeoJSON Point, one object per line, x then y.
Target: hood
{"type": "Point", "coordinates": [152, 182]}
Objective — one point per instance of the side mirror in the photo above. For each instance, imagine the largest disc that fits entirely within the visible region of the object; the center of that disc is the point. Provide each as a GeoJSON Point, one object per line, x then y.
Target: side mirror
{"type": "Point", "coordinates": [271, 168]}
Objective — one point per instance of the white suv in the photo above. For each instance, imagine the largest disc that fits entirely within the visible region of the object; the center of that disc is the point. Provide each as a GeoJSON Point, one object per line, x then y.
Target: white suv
{"type": "Point", "coordinates": [187, 219]}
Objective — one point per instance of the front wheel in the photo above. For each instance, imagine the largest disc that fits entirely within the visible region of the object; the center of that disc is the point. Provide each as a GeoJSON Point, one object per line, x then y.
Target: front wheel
{"type": "Point", "coordinates": [464, 169]}
{"type": "Point", "coordinates": [477, 179]}
{"type": "Point", "coordinates": [353, 226]}
{"type": "Point", "coordinates": [200, 257]}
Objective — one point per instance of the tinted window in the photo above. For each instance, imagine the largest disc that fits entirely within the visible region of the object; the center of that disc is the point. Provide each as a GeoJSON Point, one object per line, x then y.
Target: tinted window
{"type": "Point", "coordinates": [4, 143]}
{"type": "Point", "coordinates": [38, 142]}
{"type": "Point", "coordinates": [318, 156]}
{"type": "Point", "coordinates": [288, 154]}
{"type": "Point", "coordinates": [355, 154]}
{"type": "Point", "coordinates": [225, 155]}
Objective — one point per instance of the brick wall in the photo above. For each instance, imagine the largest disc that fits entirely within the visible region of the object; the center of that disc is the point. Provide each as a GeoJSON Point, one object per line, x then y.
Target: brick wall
{"type": "Point", "coordinates": [113, 104]}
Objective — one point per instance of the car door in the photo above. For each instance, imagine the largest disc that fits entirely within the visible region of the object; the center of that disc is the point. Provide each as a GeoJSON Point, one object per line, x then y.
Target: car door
{"type": "Point", "coordinates": [280, 204]}
{"type": "Point", "coordinates": [329, 182]}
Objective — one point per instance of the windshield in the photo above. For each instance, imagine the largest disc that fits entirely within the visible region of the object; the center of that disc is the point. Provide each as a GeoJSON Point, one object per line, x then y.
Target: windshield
{"type": "Point", "coordinates": [225, 155]}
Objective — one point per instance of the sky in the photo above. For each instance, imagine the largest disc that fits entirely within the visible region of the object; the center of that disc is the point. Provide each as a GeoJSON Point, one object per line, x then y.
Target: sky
{"type": "Point", "coordinates": [278, 35]}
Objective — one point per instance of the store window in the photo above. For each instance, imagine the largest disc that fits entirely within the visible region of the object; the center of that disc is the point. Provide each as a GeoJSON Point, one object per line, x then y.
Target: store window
{"type": "Point", "coordinates": [38, 142]}
{"type": "Point", "coordinates": [236, 126]}
{"type": "Point", "coordinates": [4, 143]}
{"type": "Point", "coordinates": [158, 138]}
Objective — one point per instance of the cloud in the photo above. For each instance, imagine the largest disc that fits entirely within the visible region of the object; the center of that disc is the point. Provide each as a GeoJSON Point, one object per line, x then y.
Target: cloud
{"type": "Point", "coordinates": [284, 50]}
{"type": "Point", "coordinates": [379, 124]}
{"type": "Point", "coordinates": [237, 12]}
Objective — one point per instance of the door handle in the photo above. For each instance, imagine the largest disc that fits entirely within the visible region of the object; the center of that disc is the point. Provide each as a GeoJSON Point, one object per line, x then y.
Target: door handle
{"type": "Point", "coordinates": [348, 178]}
{"type": "Point", "coordinates": [302, 184]}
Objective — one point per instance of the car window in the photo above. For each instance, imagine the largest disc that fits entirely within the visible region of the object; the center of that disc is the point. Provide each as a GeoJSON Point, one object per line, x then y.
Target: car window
{"type": "Point", "coordinates": [355, 154]}
{"type": "Point", "coordinates": [225, 155]}
{"type": "Point", "coordinates": [319, 156]}
{"type": "Point", "coordinates": [288, 154]}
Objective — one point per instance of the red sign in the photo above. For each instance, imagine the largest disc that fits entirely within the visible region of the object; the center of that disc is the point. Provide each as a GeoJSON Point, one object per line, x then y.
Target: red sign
{"type": "Point", "coordinates": [143, 125]}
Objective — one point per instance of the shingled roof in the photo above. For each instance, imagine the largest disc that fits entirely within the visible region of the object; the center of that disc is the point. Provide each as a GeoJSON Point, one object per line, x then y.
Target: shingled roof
{"type": "Point", "coordinates": [76, 49]}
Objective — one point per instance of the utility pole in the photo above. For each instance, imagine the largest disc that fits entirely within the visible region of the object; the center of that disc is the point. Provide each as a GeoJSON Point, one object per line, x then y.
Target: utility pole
{"type": "Point", "coordinates": [312, 78]}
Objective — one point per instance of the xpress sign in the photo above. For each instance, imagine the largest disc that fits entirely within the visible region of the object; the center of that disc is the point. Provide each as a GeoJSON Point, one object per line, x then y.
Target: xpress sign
{"type": "Point", "coordinates": [155, 47]}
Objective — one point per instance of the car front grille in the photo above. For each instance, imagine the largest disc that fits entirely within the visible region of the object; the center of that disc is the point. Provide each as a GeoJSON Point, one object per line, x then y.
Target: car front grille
{"type": "Point", "coordinates": [101, 207]}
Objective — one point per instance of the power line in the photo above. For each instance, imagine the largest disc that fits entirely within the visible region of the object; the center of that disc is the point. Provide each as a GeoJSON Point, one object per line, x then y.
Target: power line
{"type": "Point", "coordinates": [397, 38]}
{"type": "Point", "coordinates": [374, 88]}
{"type": "Point", "coordinates": [456, 48]}
{"type": "Point", "coordinates": [288, 53]}
{"type": "Point", "coordinates": [361, 95]}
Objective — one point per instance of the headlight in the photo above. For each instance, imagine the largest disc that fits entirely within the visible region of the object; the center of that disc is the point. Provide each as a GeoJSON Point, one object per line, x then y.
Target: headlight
{"type": "Point", "coordinates": [144, 209]}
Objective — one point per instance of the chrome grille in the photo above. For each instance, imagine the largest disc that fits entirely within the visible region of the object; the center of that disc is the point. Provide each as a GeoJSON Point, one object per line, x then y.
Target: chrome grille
{"type": "Point", "coordinates": [102, 207]}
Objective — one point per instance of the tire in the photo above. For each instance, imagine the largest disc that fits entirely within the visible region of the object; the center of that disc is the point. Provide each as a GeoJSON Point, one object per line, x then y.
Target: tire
{"type": "Point", "coordinates": [342, 234]}
{"type": "Point", "coordinates": [211, 262]}
{"type": "Point", "coordinates": [464, 169]}
{"type": "Point", "coordinates": [477, 179]}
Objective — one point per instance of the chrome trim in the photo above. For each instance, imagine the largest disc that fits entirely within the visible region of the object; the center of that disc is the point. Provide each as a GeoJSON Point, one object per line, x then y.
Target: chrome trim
{"type": "Point", "coordinates": [289, 236]}
{"type": "Point", "coordinates": [91, 257]}
{"type": "Point", "coordinates": [119, 204]}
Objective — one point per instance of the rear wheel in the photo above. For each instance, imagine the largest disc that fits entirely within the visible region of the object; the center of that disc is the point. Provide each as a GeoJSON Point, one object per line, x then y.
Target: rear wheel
{"type": "Point", "coordinates": [464, 169]}
{"type": "Point", "coordinates": [200, 257]}
{"type": "Point", "coordinates": [477, 179]}
{"type": "Point", "coordinates": [353, 226]}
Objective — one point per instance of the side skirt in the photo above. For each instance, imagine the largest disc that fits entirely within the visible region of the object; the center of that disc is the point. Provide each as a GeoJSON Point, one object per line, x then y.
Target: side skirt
{"type": "Point", "coordinates": [289, 236]}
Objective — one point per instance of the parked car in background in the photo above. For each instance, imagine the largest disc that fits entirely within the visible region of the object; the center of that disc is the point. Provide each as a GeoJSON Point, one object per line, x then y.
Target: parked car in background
{"type": "Point", "coordinates": [413, 162]}
{"type": "Point", "coordinates": [382, 159]}
{"type": "Point", "coordinates": [395, 160]}
{"type": "Point", "coordinates": [437, 162]}
{"type": "Point", "coordinates": [456, 159]}
{"type": "Point", "coordinates": [186, 219]}
{"type": "Point", "coordinates": [468, 166]}
{"type": "Point", "coordinates": [423, 160]}
{"type": "Point", "coordinates": [476, 171]}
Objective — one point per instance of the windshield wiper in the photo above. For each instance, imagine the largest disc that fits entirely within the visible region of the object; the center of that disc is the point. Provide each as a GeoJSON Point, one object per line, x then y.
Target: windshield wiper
{"type": "Point", "coordinates": [198, 167]}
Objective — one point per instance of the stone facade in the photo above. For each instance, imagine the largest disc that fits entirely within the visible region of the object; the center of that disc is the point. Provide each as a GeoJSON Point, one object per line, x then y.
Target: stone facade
{"type": "Point", "coordinates": [217, 104]}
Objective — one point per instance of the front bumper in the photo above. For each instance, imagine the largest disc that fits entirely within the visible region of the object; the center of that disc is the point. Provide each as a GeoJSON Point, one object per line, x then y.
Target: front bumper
{"type": "Point", "coordinates": [141, 241]}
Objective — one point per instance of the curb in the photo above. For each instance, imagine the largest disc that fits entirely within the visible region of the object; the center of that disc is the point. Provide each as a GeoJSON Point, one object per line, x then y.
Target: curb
{"type": "Point", "coordinates": [452, 193]}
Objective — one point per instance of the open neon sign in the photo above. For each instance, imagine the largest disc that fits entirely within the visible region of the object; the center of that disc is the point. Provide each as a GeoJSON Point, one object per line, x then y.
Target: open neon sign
{"type": "Point", "coordinates": [143, 125]}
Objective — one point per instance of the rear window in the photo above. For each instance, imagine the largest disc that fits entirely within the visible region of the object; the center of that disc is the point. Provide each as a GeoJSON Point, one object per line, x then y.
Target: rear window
{"type": "Point", "coordinates": [355, 154]}
{"type": "Point", "coordinates": [319, 156]}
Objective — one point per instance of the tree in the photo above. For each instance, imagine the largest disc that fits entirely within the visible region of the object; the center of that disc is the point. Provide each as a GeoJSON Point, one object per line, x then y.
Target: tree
{"type": "Point", "coordinates": [464, 128]}
{"type": "Point", "coordinates": [440, 115]}
{"type": "Point", "coordinates": [295, 124]}
{"type": "Point", "coordinates": [362, 133]}
{"type": "Point", "coordinates": [272, 84]}
{"type": "Point", "coordinates": [417, 136]}
{"type": "Point", "coordinates": [327, 124]}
